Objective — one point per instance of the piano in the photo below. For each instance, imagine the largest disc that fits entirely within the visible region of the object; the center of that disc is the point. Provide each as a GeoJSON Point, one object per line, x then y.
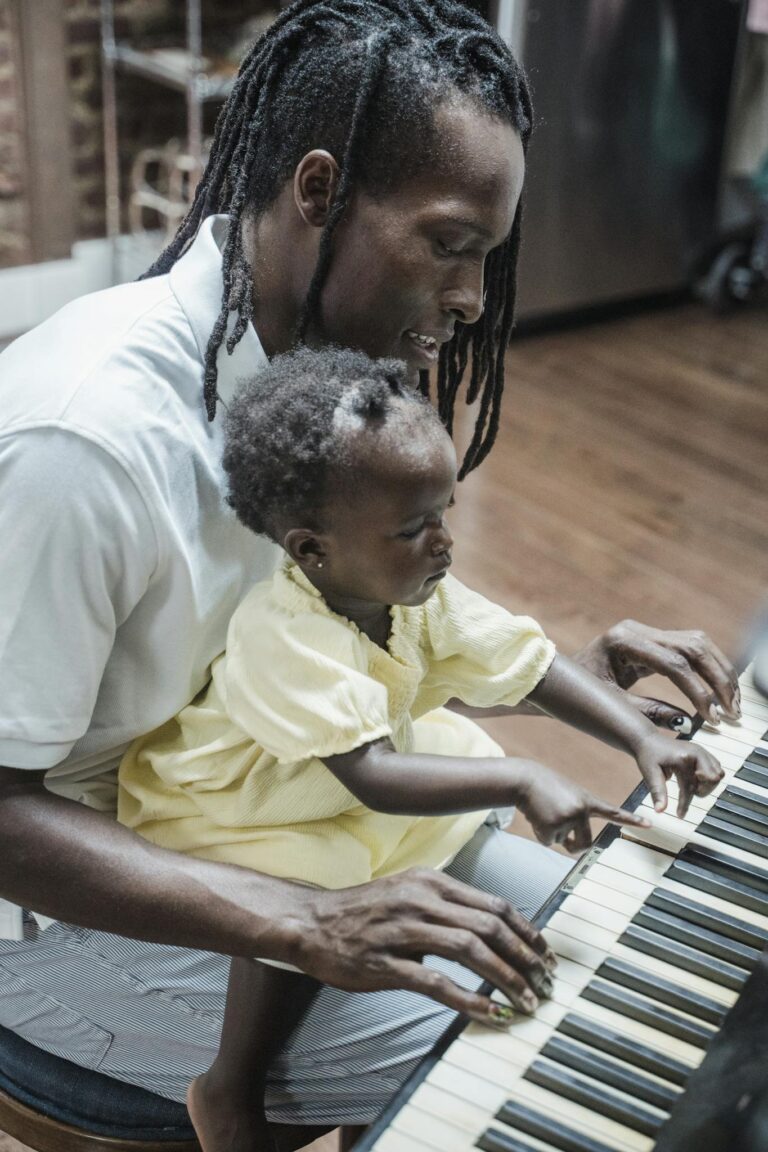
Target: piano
{"type": "Point", "coordinates": [656, 1035]}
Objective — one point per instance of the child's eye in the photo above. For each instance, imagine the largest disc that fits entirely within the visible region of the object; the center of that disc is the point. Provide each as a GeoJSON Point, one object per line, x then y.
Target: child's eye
{"type": "Point", "coordinates": [411, 533]}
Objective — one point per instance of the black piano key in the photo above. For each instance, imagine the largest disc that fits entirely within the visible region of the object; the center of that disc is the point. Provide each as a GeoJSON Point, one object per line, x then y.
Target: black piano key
{"type": "Point", "coordinates": [687, 909]}
{"type": "Point", "coordinates": [755, 770]}
{"type": "Point", "coordinates": [548, 1129]}
{"type": "Point", "coordinates": [683, 932]}
{"type": "Point", "coordinates": [495, 1141]}
{"type": "Point", "coordinates": [716, 884]}
{"type": "Point", "coordinates": [626, 1003]}
{"type": "Point", "coordinates": [747, 799]}
{"type": "Point", "coordinates": [738, 814]}
{"type": "Point", "coordinates": [710, 857]}
{"type": "Point", "coordinates": [665, 991]}
{"type": "Point", "coordinates": [613, 1043]}
{"type": "Point", "coordinates": [689, 959]}
{"type": "Point", "coordinates": [570, 1086]}
{"type": "Point", "coordinates": [731, 834]}
{"type": "Point", "coordinates": [605, 1071]}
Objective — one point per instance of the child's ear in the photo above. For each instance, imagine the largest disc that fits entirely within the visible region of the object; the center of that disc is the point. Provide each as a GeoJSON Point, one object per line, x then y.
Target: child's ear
{"type": "Point", "coordinates": [306, 548]}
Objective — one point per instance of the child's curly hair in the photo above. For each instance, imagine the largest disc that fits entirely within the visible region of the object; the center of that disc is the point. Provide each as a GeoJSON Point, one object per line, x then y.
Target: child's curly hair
{"type": "Point", "coordinates": [290, 425]}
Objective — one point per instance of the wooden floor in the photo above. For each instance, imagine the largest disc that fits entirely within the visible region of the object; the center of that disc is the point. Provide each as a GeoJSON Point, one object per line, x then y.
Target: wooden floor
{"type": "Point", "coordinates": [630, 478]}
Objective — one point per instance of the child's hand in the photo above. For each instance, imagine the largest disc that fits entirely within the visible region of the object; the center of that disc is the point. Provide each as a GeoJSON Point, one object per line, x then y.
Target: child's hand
{"type": "Point", "coordinates": [559, 811]}
{"type": "Point", "coordinates": [696, 769]}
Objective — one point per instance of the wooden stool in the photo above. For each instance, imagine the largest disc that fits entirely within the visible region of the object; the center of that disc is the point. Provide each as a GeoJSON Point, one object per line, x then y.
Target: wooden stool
{"type": "Point", "coordinates": [42, 1105]}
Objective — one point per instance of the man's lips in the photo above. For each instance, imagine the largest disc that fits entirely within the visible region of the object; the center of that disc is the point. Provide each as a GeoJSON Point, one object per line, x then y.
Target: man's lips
{"type": "Point", "coordinates": [428, 343]}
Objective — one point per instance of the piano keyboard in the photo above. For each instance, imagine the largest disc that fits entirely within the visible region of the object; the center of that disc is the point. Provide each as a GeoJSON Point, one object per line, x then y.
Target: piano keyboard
{"type": "Point", "coordinates": [655, 942]}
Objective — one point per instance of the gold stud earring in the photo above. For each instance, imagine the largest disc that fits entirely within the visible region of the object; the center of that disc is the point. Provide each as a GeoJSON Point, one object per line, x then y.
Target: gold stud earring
{"type": "Point", "coordinates": [319, 563]}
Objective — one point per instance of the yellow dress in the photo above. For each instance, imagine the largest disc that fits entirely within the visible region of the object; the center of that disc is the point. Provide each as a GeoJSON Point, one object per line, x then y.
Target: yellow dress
{"type": "Point", "coordinates": [237, 775]}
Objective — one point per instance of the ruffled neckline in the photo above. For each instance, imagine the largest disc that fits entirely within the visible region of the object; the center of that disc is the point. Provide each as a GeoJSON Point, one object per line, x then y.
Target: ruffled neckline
{"type": "Point", "coordinates": [404, 643]}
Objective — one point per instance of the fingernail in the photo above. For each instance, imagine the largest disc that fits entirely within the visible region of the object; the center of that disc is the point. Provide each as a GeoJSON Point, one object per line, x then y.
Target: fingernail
{"type": "Point", "coordinates": [545, 987]}
{"type": "Point", "coordinates": [682, 724]}
{"type": "Point", "coordinates": [550, 960]}
{"type": "Point", "coordinates": [529, 1001]}
{"type": "Point", "coordinates": [713, 714]}
{"type": "Point", "coordinates": [501, 1013]}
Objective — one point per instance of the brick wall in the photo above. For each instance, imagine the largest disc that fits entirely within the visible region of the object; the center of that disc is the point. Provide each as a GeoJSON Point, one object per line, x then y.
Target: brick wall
{"type": "Point", "coordinates": [148, 114]}
{"type": "Point", "coordinates": [14, 219]}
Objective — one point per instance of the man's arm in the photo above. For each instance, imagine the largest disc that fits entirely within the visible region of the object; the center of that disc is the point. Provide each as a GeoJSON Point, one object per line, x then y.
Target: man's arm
{"type": "Point", "coordinates": [628, 652]}
{"type": "Point", "coordinates": [72, 863]}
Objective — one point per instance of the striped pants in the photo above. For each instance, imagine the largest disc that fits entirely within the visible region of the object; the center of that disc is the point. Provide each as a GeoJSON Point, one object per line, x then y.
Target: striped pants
{"type": "Point", "coordinates": [151, 1015]}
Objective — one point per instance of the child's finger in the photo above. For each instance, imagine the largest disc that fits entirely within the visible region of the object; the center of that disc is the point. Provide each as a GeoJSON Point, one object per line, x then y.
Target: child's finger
{"type": "Point", "coordinates": [657, 786]}
{"type": "Point", "coordinates": [686, 790]}
{"type": "Point", "coordinates": [620, 815]}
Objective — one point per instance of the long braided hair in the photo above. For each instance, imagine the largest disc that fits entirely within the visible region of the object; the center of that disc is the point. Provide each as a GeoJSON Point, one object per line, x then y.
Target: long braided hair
{"type": "Point", "coordinates": [361, 79]}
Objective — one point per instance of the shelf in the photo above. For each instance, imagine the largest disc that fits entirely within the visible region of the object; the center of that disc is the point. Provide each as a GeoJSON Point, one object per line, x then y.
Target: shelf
{"type": "Point", "coordinates": [175, 68]}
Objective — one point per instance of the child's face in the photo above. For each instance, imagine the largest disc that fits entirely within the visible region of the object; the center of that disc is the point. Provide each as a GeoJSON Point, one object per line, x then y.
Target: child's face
{"type": "Point", "coordinates": [387, 541]}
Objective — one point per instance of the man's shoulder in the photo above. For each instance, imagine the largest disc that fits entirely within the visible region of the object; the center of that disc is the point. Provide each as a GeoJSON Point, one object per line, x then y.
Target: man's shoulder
{"type": "Point", "coordinates": [104, 359]}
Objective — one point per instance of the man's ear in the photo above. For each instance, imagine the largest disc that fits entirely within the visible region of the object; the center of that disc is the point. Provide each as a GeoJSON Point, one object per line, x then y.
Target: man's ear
{"type": "Point", "coordinates": [315, 183]}
{"type": "Point", "coordinates": [306, 548]}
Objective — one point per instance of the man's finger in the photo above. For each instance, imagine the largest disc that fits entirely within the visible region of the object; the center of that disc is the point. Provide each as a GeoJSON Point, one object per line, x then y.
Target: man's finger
{"type": "Point", "coordinates": [456, 892]}
{"type": "Point", "coordinates": [415, 977]}
{"type": "Point", "coordinates": [662, 714]}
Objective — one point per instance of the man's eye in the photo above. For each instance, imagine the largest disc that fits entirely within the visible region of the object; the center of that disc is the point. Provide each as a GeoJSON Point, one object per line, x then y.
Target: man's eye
{"type": "Point", "coordinates": [445, 249]}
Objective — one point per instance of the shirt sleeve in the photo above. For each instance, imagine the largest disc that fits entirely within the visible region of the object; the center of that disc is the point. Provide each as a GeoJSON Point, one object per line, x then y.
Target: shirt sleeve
{"type": "Point", "coordinates": [298, 684]}
{"type": "Point", "coordinates": [479, 652]}
{"type": "Point", "coordinates": [78, 548]}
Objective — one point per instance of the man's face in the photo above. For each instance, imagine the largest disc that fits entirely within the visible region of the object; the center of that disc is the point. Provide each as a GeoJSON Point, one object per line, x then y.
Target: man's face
{"type": "Point", "coordinates": [386, 539]}
{"type": "Point", "coordinates": [408, 265]}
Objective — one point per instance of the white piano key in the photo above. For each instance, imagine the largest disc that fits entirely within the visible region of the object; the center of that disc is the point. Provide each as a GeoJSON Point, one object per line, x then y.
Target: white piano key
{"type": "Point", "coordinates": [735, 741]}
{"type": "Point", "coordinates": [605, 886]}
{"type": "Point", "coordinates": [627, 1027]}
{"type": "Point", "coordinates": [665, 971]}
{"type": "Point", "coordinates": [686, 980]}
{"type": "Point", "coordinates": [580, 1119]}
{"type": "Point", "coordinates": [637, 860]}
{"type": "Point", "coordinates": [575, 950]}
{"type": "Point", "coordinates": [518, 1057]}
{"type": "Point", "coordinates": [432, 1130]}
{"type": "Point", "coordinates": [755, 705]}
{"type": "Point", "coordinates": [600, 937]}
{"type": "Point", "coordinates": [392, 1141]}
{"type": "Point", "coordinates": [598, 915]}
{"type": "Point", "coordinates": [671, 835]}
{"type": "Point", "coordinates": [750, 727]}
{"type": "Point", "coordinates": [463, 1085]}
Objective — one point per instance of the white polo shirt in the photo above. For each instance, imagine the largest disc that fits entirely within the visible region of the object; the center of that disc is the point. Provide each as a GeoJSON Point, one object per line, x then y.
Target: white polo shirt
{"type": "Point", "coordinates": [120, 561]}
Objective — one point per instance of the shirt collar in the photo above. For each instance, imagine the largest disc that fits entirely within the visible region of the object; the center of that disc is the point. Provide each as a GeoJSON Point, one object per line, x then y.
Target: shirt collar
{"type": "Point", "coordinates": [197, 282]}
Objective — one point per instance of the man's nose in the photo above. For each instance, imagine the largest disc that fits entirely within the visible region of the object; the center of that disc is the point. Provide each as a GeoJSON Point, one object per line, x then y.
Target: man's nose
{"type": "Point", "coordinates": [464, 297]}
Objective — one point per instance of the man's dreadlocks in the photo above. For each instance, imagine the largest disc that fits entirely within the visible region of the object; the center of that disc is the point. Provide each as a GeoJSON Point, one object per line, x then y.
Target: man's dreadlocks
{"type": "Point", "coordinates": [361, 79]}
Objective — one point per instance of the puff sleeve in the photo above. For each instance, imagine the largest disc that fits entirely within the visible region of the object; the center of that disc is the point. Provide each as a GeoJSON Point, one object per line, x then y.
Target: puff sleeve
{"type": "Point", "coordinates": [479, 652]}
{"type": "Point", "coordinates": [298, 683]}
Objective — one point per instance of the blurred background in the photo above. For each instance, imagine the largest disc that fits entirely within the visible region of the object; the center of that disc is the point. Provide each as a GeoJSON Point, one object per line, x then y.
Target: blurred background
{"type": "Point", "coordinates": [631, 472]}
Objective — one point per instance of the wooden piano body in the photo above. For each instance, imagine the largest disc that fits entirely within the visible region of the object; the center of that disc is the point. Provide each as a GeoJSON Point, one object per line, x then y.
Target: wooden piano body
{"type": "Point", "coordinates": [656, 1036]}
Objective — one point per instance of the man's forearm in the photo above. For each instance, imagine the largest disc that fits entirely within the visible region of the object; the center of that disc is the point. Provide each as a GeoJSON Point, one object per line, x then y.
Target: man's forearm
{"type": "Point", "coordinates": [71, 863]}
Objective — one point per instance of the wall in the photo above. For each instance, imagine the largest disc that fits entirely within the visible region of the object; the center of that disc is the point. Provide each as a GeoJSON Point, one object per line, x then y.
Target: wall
{"type": "Point", "coordinates": [148, 114]}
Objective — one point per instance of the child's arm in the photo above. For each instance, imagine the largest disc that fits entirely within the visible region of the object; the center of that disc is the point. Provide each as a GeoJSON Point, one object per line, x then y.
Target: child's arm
{"type": "Point", "coordinates": [572, 694]}
{"type": "Point", "coordinates": [428, 785]}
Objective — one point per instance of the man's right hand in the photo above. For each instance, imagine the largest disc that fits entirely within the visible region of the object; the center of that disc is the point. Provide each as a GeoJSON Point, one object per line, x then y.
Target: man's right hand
{"type": "Point", "coordinates": [360, 939]}
{"type": "Point", "coordinates": [375, 936]}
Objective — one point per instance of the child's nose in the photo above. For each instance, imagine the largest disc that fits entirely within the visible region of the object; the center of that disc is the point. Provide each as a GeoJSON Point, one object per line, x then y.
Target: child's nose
{"type": "Point", "coordinates": [442, 540]}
